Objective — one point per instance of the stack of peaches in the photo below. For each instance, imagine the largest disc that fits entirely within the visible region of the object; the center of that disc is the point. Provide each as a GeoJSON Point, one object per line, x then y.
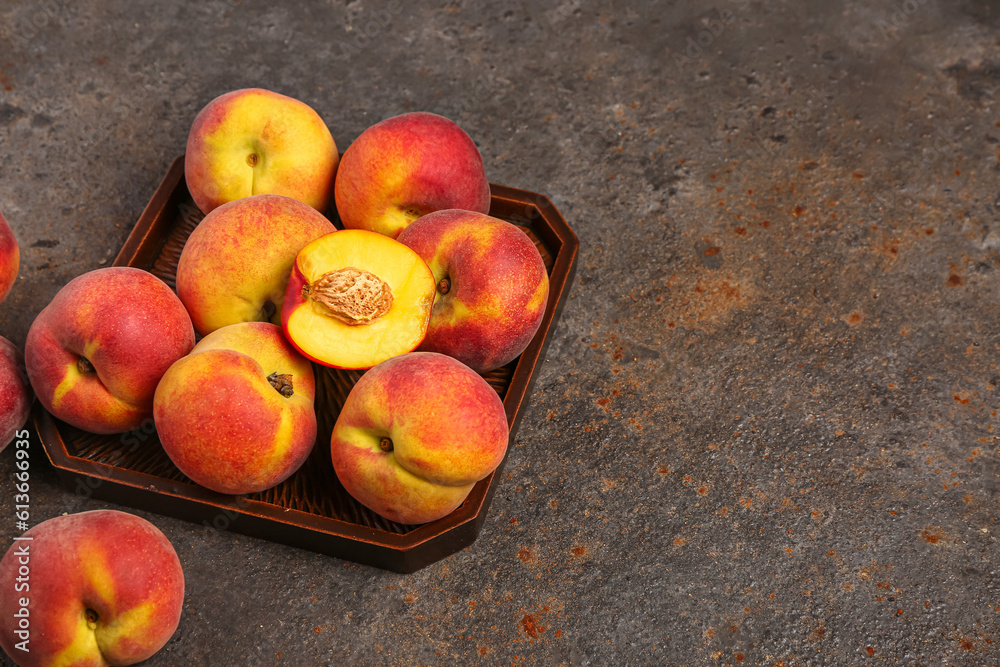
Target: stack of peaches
{"type": "Point", "coordinates": [421, 287]}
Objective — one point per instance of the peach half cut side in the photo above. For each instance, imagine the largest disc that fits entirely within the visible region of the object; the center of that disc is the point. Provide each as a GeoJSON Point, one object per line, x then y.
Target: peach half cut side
{"type": "Point", "coordinates": [356, 298]}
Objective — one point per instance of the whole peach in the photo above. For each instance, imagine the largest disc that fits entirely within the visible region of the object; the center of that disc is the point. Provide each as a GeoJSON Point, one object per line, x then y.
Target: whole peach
{"type": "Point", "coordinates": [492, 286]}
{"type": "Point", "coordinates": [254, 141]}
{"type": "Point", "coordinates": [415, 434]}
{"type": "Point", "coordinates": [95, 354]}
{"type": "Point", "coordinates": [10, 258]}
{"type": "Point", "coordinates": [16, 396]}
{"type": "Point", "coordinates": [91, 589]}
{"type": "Point", "coordinates": [236, 415]}
{"type": "Point", "coordinates": [408, 166]}
{"type": "Point", "coordinates": [235, 265]}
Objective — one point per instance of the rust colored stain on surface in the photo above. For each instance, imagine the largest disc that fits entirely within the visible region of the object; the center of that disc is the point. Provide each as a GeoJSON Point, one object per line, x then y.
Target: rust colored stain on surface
{"type": "Point", "coordinates": [531, 627]}
{"type": "Point", "coordinates": [955, 280]}
{"type": "Point", "coordinates": [579, 551]}
{"type": "Point", "coordinates": [717, 297]}
{"type": "Point", "coordinates": [930, 537]}
{"type": "Point", "coordinates": [711, 251]}
{"type": "Point", "coordinates": [525, 555]}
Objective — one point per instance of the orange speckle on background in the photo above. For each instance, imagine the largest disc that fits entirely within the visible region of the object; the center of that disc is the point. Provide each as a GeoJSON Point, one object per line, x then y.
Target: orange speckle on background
{"type": "Point", "coordinates": [531, 627]}
{"type": "Point", "coordinates": [930, 537]}
{"type": "Point", "coordinates": [854, 317]}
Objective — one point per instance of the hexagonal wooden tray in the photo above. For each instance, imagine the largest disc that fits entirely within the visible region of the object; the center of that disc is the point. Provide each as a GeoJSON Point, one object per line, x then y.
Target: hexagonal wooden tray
{"type": "Point", "coordinates": [310, 510]}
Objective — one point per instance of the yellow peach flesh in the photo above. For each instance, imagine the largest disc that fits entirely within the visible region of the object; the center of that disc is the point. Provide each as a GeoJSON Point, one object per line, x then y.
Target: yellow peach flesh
{"type": "Point", "coordinates": [321, 336]}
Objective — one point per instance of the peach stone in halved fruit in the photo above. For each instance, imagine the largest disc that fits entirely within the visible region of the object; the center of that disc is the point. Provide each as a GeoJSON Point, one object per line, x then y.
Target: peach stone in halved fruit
{"type": "Point", "coordinates": [356, 298]}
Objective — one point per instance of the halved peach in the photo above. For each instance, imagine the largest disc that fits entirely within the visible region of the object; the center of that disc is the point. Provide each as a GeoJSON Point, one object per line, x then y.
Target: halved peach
{"type": "Point", "coordinates": [356, 298]}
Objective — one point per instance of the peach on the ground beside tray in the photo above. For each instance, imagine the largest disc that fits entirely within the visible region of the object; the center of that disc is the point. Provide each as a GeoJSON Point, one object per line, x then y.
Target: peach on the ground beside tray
{"type": "Point", "coordinates": [16, 395]}
{"type": "Point", "coordinates": [10, 258]}
{"type": "Point", "coordinates": [91, 589]}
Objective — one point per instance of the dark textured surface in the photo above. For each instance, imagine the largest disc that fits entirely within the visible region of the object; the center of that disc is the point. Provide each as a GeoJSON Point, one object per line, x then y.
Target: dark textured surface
{"type": "Point", "coordinates": [765, 431]}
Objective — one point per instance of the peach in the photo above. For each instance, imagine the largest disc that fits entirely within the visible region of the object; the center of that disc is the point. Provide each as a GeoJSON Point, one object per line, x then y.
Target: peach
{"type": "Point", "coordinates": [235, 265]}
{"type": "Point", "coordinates": [408, 166]}
{"type": "Point", "coordinates": [415, 435]}
{"type": "Point", "coordinates": [10, 258]}
{"type": "Point", "coordinates": [356, 298]}
{"type": "Point", "coordinates": [16, 396]}
{"type": "Point", "coordinates": [492, 286]}
{"type": "Point", "coordinates": [95, 354]}
{"type": "Point", "coordinates": [236, 415]}
{"type": "Point", "coordinates": [90, 589]}
{"type": "Point", "coordinates": [254, 141]}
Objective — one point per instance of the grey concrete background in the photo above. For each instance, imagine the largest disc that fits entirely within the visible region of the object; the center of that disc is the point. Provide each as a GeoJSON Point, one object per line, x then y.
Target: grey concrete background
{"type": "Point", "coordinates": [765, 433]}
